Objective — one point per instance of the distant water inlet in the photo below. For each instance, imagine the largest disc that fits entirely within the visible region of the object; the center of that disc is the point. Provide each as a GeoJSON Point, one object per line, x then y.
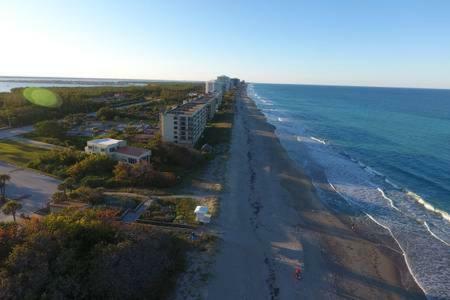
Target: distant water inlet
{"type": "Point", "coordinates": [383, 151]}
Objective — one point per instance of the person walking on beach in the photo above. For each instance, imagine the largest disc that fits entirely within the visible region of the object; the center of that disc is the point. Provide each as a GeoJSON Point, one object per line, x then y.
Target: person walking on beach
{"type": "Point", "coordinates": [298, 272]}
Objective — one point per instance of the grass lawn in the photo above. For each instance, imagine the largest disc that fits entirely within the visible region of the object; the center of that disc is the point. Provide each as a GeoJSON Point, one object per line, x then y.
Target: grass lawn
{"type": "Point", "coordinates": [18, 153]}
{"type": "Point", "coordinates": [218, 131]}
{"type": "Point", "coordinates": [79, 142]}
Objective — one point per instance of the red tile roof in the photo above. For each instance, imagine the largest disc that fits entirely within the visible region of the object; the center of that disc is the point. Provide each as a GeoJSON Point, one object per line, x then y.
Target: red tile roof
{"type": "Point", "coordinates": [132, 151]}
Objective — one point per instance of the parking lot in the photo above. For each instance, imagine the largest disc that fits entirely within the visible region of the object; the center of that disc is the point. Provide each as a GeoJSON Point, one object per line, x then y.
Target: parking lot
{"type": "Point", "coordinates": [30, 188]}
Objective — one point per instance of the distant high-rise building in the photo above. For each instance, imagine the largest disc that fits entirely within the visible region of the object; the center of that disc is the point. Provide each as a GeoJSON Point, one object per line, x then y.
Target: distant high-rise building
{"type": "Point", "coordinates": [234, 82]}
{"type": "Point", "coordinates": [223, 83]}
{"type": "Point", "coordinates": [210, 86]}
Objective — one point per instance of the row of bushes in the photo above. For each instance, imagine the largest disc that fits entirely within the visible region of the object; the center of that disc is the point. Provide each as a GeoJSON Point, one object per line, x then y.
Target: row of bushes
{"type": "Point", "coordinates": [97, 170]}
{"type": "Point", "coordinates": [86, 255]}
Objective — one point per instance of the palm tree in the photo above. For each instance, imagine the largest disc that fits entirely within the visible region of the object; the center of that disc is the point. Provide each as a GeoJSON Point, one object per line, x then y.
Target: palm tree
{"type": "Point", "coordinates": [11, 207]}
{"type": "Point", "coordinates": [3, 179]}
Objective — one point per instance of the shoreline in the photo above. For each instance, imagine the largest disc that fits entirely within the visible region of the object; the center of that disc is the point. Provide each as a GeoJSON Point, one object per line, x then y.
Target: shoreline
{"type": "Point", "coordinates": [278, 222]}
{"type": "Point", "coordinates": [370, 231]}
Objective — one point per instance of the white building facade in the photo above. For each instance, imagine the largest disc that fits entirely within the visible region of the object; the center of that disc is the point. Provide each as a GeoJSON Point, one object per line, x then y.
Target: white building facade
{"type": "Point", "coordinates": [222, 84]}
{"type": "Point", "coordinates": [210, 86]}
{"type": "Point", "coordinates": [118, 150]}
{"type": "Point", "coordinates": [185, 123]}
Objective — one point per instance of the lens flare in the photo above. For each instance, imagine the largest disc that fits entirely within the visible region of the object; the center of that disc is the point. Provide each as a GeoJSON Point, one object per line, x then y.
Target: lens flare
{"type": "Point", "coordinates": [42, 97]}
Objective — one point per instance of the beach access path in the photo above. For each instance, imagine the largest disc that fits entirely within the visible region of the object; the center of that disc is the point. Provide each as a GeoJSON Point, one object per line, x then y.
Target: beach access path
{"type": "Point", "coordinates": [271, 221]}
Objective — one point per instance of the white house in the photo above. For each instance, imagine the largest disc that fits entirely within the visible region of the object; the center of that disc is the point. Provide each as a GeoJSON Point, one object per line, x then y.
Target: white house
{"type": "Point", "coordinates": [118, 150]}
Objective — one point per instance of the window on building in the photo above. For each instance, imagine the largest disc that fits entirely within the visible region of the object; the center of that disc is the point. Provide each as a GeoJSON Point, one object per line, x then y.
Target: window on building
{"type": "Point", "coordinates": [132, 161]}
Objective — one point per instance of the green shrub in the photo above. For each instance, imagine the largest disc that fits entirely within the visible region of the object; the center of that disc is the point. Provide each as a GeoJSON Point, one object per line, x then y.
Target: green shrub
{"type": "Point", "coordinates": [51, 129]}
{"type": "Point", "coordinates": [94, 181]}
{"type": "Point", "coordinates": [92, 165]}
{"type": "Point", "coordinates": [57, 161]}
{"type": "Point", "coordinates": [88, 195]}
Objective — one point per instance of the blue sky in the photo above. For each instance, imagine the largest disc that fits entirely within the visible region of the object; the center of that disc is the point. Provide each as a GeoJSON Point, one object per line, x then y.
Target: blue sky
{"type": "Point", "coordinates": [375, 43]}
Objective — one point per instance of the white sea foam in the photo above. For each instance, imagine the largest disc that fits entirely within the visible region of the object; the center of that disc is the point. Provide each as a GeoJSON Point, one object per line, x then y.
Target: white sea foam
{"type": "Point", "coordinates": [422, 236]}
{"type": "Point", "coordinates": [391, 202]}
{"type": "Point", "coordinates": [403, 251]}
{"type": "Point", "coordinates": [429, 206]}
{"type": "Point", "coordinates": [361, 164]}
{"type": "Point", "coordinates": [433, 234]}
{"type": "Point", "coordinates": [392, 184]}
{"type": "Point", "coordinates": [373, 171]}
{"type": "Point", "coordinates": [390, 231]}
{"type": "Point", "coordinates": [318, 140]}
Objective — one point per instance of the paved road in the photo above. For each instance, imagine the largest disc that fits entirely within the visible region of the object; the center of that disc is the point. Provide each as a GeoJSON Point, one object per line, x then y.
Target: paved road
{"type": "Point", "coordinates": [32, 188]}
{"type": "Point", "coordinates": [11, 132]}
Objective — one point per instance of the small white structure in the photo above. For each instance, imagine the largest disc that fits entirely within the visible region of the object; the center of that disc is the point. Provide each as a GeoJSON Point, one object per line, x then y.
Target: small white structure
{"type": "Point", "coordinates": [104, 146]}
{"type": "Point", "coordinates": [201, 214]}
{"type": "Point", "coordinates": [118, 150]}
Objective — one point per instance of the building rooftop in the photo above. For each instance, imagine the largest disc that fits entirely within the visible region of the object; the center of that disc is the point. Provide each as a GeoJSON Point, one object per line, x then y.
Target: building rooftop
{"type": "Point", "coordinates": [105, 141]}
{"type": "Point", "coordinates": [132, 151]}
{"type": "Point", "coordinates": [190, 107]}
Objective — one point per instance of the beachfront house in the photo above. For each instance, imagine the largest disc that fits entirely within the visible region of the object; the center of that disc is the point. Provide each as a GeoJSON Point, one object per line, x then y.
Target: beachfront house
{"type": "Point", "coordinates": [118, 150]}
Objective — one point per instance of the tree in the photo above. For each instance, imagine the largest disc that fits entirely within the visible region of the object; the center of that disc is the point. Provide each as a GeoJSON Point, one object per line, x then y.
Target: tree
{"type": "Point", "coordinates": [50, 128]}
{"type": "Point", "coordinates": [3, 179]}
{"type": "Point", "coordinates": [142, 174]}
{"type": "Point", "coordinates": [106, 113]}
{"type": "Point", "coordinates": [59, 197]}
{"type": "Point", "coordinates": [67, 184]}
{"type": "Point", "coordinates": [122, 172]}
{"type": "Point", "coordinates": [88, 195]}
{"type": "Point", "coordinates": [94, 164]}
{"type": "Point", "coordinates": [11, 207]}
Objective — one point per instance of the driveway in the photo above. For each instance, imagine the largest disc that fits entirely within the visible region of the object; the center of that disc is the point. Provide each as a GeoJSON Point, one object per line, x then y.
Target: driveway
{"type": "Point", "coordinates": [31, 189]}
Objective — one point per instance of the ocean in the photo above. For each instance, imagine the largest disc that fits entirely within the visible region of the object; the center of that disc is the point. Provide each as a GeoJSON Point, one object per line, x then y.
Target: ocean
{"type": "Point", "coordinates": [385, 151]}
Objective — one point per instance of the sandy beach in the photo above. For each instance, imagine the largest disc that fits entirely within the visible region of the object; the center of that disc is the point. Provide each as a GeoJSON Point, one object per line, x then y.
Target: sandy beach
{"type": "Point", "coordinates": [271, 221]}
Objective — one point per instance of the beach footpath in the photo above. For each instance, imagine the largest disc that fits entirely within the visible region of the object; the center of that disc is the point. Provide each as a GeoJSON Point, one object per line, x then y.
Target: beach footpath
{"type": "Point", "coordinates": [272, 222]}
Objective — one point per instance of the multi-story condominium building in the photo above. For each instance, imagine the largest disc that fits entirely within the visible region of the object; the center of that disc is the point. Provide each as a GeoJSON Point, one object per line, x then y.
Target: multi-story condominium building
{"type": "Point", "coordinates": [185, 123]}
{"type": "Point", "coordinates": [210, 86]}
{"type": "Point", "coordinates": [222, 83]}
{"type": "Point", "coordinates": [118, 150]}
{"type": "Point", "coordinates": [234, 82]}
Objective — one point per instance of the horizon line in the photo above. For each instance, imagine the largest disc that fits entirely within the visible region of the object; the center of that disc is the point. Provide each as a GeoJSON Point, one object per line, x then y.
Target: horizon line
{"type": "Point", "coordinates": [252, 82]}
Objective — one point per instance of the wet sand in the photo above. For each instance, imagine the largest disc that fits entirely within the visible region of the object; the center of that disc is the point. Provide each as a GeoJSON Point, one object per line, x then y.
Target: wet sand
{"type": "Point", "coordinates": [271, 220]}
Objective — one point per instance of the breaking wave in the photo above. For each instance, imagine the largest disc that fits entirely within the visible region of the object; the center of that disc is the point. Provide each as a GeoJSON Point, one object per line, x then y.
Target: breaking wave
{"type": "Point", "coordinates": [421, 230]}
